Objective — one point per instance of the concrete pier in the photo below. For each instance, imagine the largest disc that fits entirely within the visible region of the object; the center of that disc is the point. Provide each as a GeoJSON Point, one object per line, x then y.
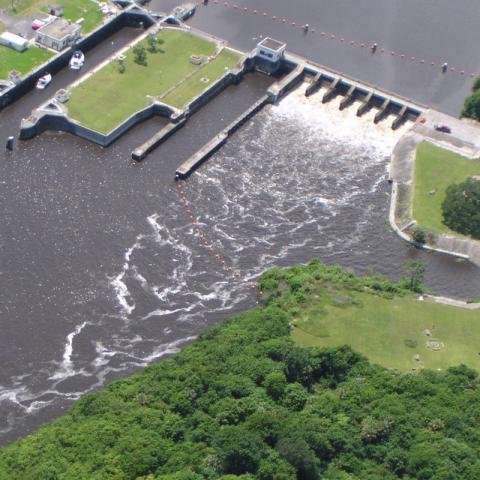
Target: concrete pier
{"type": "Point", "coordinates": [332, 90]}
{"type": "Point", "coordinates": [401, 117]}
{"type": "Point", "coordinates": [315, 85]}
{"type": "Point", "coordinates": [366, 105]}
{"type": "Point", "coordinates": [143, 150]}
{"type": "Point", "coordinates": [278, 89]}
{"type": "Point", "coordinates": [201, 155]}
{"type": "Point", "coordinates": [349, 98]}
{"type": "Point", "coordinates": [219, 140]}
{"type": "Point", "coordinates": [382, 112]}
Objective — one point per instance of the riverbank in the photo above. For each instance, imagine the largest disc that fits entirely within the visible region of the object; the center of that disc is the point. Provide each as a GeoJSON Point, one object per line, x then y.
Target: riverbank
{"type": "Point", "coordinates": [244, 400]}
{"type": "Point", "coordinates": [463, 140]}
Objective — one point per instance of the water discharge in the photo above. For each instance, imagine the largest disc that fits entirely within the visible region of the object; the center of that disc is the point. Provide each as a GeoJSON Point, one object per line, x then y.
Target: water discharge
{"type": "Point", "coordinates": [300, 180]}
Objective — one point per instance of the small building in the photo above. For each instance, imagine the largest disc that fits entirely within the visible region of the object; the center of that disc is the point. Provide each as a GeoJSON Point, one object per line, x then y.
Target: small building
{"type": "Point", "coordinates": [271, 50]}
{"type": "Point", "coordinates": [184, 11]}
{"type": "Point", "coordinates": [56, 10]}
{"type": "Point", "coordinates": [58, 34]}
{"type": "Point", "coordinates": [11, 40]}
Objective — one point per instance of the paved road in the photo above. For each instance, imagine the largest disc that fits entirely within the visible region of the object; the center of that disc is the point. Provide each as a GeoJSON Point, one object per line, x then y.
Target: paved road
{"type": "Point", "coordinates": [429, 30]}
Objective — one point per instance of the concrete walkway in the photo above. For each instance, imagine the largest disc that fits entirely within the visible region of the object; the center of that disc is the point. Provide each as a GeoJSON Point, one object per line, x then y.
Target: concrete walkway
{"type": "Point", "coordinates": [454, 303]}
{"type": "Point", "coordinates": [20, 25]}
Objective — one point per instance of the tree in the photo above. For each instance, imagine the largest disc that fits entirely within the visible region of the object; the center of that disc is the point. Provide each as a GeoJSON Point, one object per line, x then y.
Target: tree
{"type": "Point", "coordinates": [140, 55]}
{"type": "Point", "coordinates": [152, 43]}
{"type": "Point", "coordinates": [240, 449]}
{"type": "Point", "coordinates": [461, 208]}
{"type": "Point", "coordinates": [296, 396]}
{"type": "Point", "coordinates": [416, 274]}
{"type": "Point", "coordinates": [476, 85]}
{"type": "Point", "coordinates": [471, 107]}
{"type": "Point", "coordinates": [275, 384]}
{"type": "Point", "coordinates": [297, 452]}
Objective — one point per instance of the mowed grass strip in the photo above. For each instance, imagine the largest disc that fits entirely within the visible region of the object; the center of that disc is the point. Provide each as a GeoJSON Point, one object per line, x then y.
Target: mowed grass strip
{"type": "Point", "coordinates": [23, 62]}
{"type": "Point", "coordinates": [203, 79]}
{"type": "Point", "coordinates": [436, 169]}
{"type": "Point", "coordinates": [108, 97]}
{"type": "Point", "coordinates": [378, 328]}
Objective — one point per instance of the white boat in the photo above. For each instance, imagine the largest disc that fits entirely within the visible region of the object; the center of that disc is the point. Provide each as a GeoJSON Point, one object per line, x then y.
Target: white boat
{"type": "Point", "coordinates": [44, 81]}
{"type": "Point", "coordinates": [77, 60]}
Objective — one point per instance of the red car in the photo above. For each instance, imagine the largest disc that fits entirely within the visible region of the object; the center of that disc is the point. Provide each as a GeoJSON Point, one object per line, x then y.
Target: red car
{"type": "Point", "coordinates": [36, 24]}
{"type": "Point", "coordinates": [443, 128]}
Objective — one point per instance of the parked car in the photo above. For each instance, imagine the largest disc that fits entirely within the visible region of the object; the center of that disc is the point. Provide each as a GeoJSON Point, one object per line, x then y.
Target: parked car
{"type": "Point", "coordinates": [443, 128]}
{"type": "Point", "coordinates": [36, 24]}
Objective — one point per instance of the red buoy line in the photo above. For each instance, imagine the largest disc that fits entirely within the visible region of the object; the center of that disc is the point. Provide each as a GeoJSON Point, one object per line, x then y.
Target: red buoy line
{"type": "Point", "coordinates": [214, 252]}
{"type": "Point", "coordinates": [333, 36]}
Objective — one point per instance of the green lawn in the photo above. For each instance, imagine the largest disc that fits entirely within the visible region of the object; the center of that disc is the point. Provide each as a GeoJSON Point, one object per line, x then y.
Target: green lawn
{"type": "Point", "coordinates": [196, 84]}
{"type": "Point", "coordinates": [73, 10]}
{"type": "Point", "coordinates": [378, 328]}
{"type": "Point", "coordinates": [435, 170]}
{"type": "Point", "coordinates": [23, 62]}
{"type": "Point", "coordinates": [108, 97]}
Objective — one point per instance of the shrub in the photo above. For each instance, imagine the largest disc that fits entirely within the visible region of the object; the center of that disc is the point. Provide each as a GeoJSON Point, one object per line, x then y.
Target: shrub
{"type": "Point", "coordinates": [419, 235]}
{"type": "Point", "coordinates": [121, 66]}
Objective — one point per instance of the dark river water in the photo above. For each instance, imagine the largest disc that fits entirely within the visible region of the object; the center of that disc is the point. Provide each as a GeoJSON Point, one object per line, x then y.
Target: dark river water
{"type": "Point", "coordinates": [101, 272]}
{"type": "Point", "coordinates": [420, 30]}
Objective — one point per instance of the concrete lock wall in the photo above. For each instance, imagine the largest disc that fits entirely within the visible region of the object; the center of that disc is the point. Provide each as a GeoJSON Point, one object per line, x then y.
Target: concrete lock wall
{"type": "Point", "coordinates": [62, 123]}
{"type": "Point", "coordinates": [49, 122]}
{"type": "Point", "coordinates": [123, 19]}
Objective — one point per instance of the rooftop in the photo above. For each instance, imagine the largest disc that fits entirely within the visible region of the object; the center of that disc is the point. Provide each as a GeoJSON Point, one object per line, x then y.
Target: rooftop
{"type": "Point", "coordinates": [272, 44]}
{"type": "Point", "coordinates": [59, 28]}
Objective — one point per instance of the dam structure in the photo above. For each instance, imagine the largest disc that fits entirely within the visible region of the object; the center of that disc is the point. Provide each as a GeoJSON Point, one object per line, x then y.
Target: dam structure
{"type": "Point", "coordinates": [271, 57]}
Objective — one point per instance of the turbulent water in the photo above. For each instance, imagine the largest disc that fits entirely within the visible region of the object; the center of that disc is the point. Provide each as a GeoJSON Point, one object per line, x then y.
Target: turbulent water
{"type": "Point", "coordinates": [148, 266]}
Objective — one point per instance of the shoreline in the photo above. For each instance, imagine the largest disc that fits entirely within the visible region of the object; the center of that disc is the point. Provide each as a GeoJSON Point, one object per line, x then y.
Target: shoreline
{"type": "Point", "coordinates": [402, 163]}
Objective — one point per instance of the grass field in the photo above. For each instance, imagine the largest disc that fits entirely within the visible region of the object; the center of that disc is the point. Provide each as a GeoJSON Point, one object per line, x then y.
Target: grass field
{"type": "Point", "coordinates": [73, 10]}
{"type": "Point", "coordinates": [23, 62]}
{"type": "Point", "coordinates": [378, 328]}
{"type": "Point", "coordinates": [435, 170]}
{"type": "Point", "coordinates": [180, 97]}
{"type": "Point", "coordinates": [108, 97]}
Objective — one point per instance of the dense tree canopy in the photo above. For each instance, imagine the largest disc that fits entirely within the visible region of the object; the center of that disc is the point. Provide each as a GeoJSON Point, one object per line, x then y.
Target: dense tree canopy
{"type": "Point", "coordinates": [471, 107]}
{"type": "Point", "coordinates": [244, 402]}
{"type": "Point", "coordinates": [461, 208]}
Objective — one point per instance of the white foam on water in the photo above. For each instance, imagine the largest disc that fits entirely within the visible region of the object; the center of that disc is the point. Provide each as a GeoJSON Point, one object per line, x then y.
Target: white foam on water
{"type": "Point", "coordinates": [66, 367]}
{"type": "Point", "coordinates": [167, 349]}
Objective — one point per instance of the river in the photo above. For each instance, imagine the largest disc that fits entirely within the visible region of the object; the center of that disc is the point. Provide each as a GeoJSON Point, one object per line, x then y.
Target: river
{"type": "Point", "coordinates": [101, 272]}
